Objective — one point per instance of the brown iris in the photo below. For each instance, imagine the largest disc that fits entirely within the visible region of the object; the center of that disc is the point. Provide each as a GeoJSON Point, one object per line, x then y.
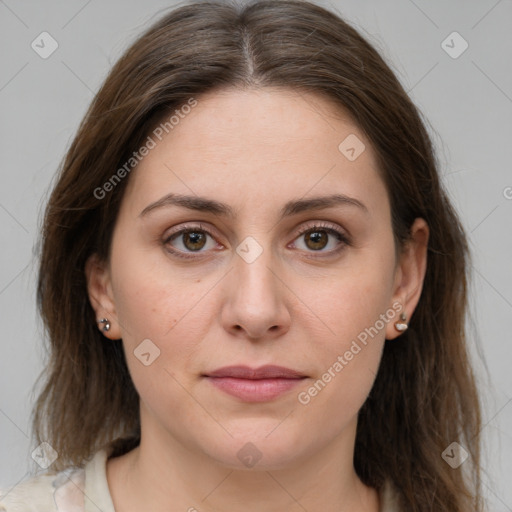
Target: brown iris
{"type": "Point", "coordinates": [316, 239]}
{"type": "Point", "coordinates": [194, 240]}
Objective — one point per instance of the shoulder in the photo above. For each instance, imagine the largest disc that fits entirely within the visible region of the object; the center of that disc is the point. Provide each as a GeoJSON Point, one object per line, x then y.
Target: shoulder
{"type": "Point", "coordinates": [72, 490]}
{"type": "Point", "coordinates": [49, 492]}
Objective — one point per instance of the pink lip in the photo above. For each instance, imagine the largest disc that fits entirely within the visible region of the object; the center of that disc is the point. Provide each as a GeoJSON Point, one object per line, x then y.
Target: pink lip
{"type": "Point", "coordinates": [255, 385]}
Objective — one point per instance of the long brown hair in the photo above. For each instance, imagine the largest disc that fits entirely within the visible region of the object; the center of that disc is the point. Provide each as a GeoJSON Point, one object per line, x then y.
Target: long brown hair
{"type": "Point", "coordinates": [424, 397]}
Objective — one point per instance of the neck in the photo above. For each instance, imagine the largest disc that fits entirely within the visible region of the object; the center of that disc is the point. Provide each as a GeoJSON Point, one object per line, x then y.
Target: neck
{"type": "Point", "coordinates": [181, 478]}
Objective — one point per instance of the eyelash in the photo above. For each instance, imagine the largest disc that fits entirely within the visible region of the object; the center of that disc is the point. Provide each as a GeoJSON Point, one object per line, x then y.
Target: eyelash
{"type": "Point", "coordinates": [319, 226]}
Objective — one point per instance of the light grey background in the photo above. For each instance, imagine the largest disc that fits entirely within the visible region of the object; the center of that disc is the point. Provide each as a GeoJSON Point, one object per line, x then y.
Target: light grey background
{"type": "Point", "coordinates": [467, 101]}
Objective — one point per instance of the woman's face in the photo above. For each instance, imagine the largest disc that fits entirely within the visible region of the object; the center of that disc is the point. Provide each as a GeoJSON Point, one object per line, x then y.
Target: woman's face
{"type": "Point", "coordinates": [256, 232]}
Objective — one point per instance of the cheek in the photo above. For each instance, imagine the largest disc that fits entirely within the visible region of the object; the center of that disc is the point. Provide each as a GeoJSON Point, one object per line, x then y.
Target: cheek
{"type": "Point", "coordinates": [351, 355]}
{"type": "Point", "coordinates": [347, 361]}
{"type": "Point", "coordinates": [354, 320]}
{"type": "Point", "coordinates": [172, 317]}
{"type": "Point", "coordinates": [153, 303]}
{"type": "Point", "coordinates": [351, 301]}
{"type": "Point", "coordinates": [151, 295]}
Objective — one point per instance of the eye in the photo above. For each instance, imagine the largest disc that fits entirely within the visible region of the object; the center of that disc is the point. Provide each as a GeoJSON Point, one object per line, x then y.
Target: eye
{"type": "Point", "coordinates": [190, 239]}
{"type": "Point", "coordinates": [325, 238]}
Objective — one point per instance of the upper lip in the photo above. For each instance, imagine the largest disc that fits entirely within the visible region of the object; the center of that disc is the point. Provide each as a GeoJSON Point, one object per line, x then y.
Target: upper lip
{"type": "Point", "coordinates": [263, 372]}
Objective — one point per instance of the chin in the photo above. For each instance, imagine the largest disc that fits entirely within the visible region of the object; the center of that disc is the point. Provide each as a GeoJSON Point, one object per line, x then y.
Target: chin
{"type": "Point", "coordinates": [265, 449]}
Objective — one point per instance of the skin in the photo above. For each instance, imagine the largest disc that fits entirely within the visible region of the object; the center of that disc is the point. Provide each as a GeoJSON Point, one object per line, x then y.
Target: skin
{"type": "Point", "coordinates": [298, 305]}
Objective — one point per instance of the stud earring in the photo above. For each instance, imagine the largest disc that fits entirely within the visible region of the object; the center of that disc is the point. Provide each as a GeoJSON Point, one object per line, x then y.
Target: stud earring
{"type": "Point", "coordinates": [401, 325]}
{"type": "Point", "coordinates": [105, 321]}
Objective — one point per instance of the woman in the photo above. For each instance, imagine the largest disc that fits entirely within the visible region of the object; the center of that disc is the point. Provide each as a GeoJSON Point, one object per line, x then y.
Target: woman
{"type": "Point", "coordinates": [253, 283]}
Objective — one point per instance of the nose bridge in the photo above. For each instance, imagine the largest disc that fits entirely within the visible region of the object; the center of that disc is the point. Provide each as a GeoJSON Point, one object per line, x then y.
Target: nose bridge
{"type": "Point", "coordinates": [255, 282]}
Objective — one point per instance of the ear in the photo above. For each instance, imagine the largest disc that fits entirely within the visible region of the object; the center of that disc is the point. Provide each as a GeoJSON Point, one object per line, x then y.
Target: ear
{"type": "Point", "coordinates": [101, 297]}
{"type": "Point", "coordinates": [409, 275]}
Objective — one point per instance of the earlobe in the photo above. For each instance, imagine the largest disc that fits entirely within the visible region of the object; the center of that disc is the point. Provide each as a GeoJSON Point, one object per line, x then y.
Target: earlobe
{"type": "Point", "coordinates": [410, 276]}
{"type": "Point", "coordinates": [101, 297]}
{"type": "Point", "coordinates": [401, 325]}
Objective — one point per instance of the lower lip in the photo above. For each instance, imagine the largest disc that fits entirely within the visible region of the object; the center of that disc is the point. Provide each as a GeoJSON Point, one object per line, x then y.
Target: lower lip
{"type": "Point", "coordinates": [254, 390]}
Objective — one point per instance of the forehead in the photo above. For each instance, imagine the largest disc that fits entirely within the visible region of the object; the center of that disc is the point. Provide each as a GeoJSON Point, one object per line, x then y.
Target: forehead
{"type": "Point", "coordinates": [233, 121]}
{"type": "Point", "coordinates": [248, 146]}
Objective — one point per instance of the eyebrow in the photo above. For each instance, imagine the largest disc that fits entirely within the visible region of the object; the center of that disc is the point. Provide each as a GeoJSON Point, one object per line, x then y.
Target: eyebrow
{"type": "Point", "coordinates": [203, 204]}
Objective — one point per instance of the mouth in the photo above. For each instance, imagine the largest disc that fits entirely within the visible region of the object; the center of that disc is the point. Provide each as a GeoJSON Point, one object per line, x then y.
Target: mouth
{"type": "Point", "coordinates": [255, 384]}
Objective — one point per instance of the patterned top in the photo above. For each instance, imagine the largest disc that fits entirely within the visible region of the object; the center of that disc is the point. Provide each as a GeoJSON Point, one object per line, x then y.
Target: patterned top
{"type": "Point", "coordinates": [86, 490]}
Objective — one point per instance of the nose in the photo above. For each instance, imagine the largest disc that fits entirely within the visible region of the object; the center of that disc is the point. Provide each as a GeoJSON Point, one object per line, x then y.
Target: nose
{"type": "Point", "coordinates": [255, 304]}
